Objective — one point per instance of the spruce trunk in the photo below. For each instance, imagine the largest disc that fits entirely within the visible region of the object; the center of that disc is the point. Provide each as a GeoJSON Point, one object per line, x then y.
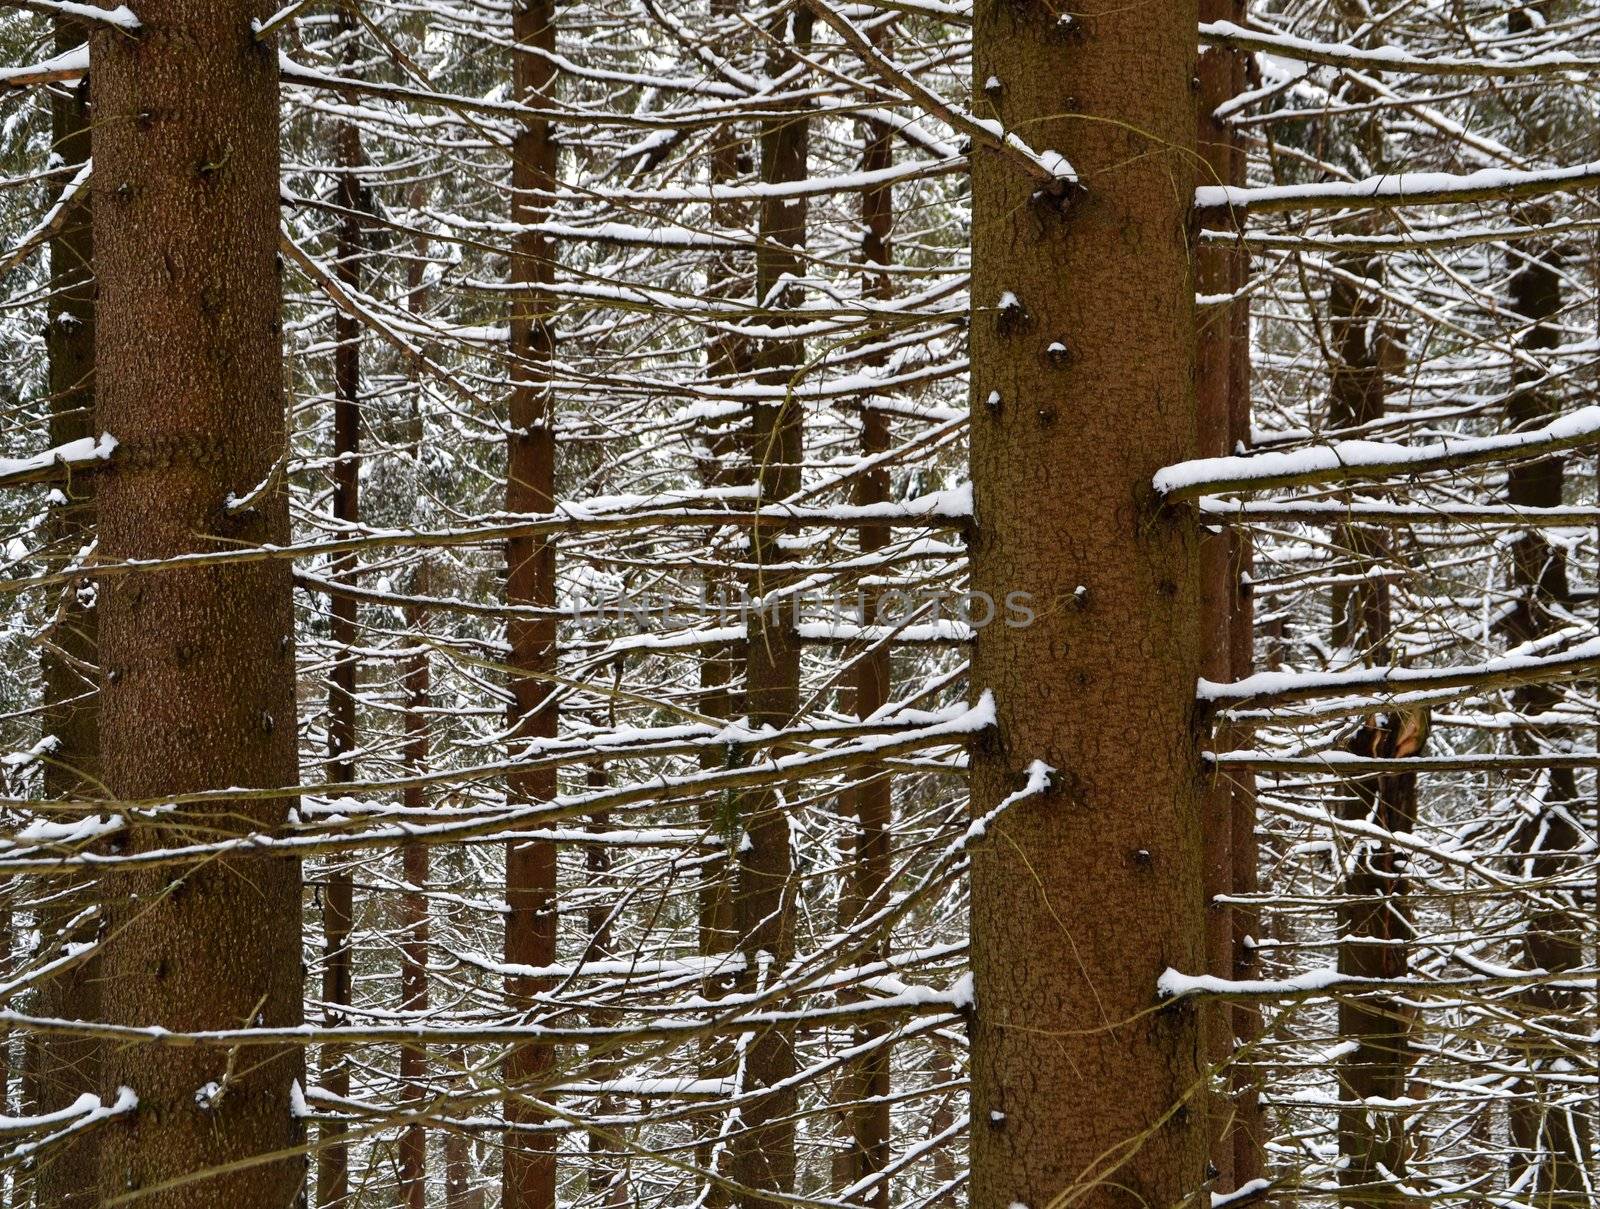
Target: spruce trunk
{"type": "Point", "coordinates": [1083, 347]}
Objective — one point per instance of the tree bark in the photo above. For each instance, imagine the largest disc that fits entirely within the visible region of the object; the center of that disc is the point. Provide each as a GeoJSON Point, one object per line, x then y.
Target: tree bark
{"type": "Point", "coordinates": [529, 1172]}
{"type": "Point", "coordinates": [1222, 398]}
{"type": "Point", "coordinates": [1083, 347]}
{"type": "Point", "coordinates": [724, 461]}
{"type": "Point", "coordinates": [1555, 1138]}
{"type": "Point", "coordinates": [63, 1068]}
{"type": "Point", "coordinates": [414, 915]}
{"type": "Point", "coordinates": [867, 1079]}
{"type": "Point", "coordinates": [763, 1146]}
{"type": "Point", "coordinates": [416, 859]}
{"type": "Point", "coordinates": [338, 896]}
{"type": "Point", "coordinates": [1375, 935]}
{"type": "Point", "coordinates": [197, 667]}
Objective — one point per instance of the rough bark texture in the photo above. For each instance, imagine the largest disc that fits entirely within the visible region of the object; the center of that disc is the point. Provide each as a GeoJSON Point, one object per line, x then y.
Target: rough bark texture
{"type": "Point", "coordinates": [63, 1068]}
{"type": "Point", "coordinates": [197, 668]}
{"type": "Point", "coordinates": [763, 1147]}
{"type": "Point", "coordinates": [529, 1173]}
{"type": "Point", "coordinates": [1083, 895]}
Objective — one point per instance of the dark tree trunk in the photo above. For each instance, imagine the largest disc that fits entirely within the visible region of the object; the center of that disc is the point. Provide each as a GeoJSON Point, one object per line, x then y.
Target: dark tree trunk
{"type": "Point", "coordinates": [197, 667]}
{"type": "Point", "coordinates": [724, 461]}
{"type": "Point", "coordinates": [763, 1148]}
{"type": "Point", "coordinates": [63, 1068]}
{"type": "Point", "coordinates": [1083, 355]}
{"type": "Point", "coordinates": [338, 896]}
{"type": "Point", "coordinates": [1222, 397]}
{"type": "Point", "coordinates": [1554, 1138]}
{"type": "Point", "coordinates": [867, 1079]}
{"type": "Point", "coordinates": [529, 1172]}
{"type": "Point", "coordinates": [414, 920]}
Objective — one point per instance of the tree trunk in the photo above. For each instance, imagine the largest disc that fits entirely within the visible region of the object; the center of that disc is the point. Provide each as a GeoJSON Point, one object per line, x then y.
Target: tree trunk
{"type": "Point", "coordinates": [416, 859]}
{"type": "Point", "coordinates": [1222, 398]}
{"type": "Point", "coordinates": [414, 922]}
{"type": "Point", "coordinates": [1555, 1137]}
{"type": "Point", "coordinates": [1083, 347]}
{"type": "Point", "coordinates": [529, 1172]}
{"type": "Point", "coordinates": [66, 1067]}
{"type": "Point", "coordinates": [867, 1079]}
{"type": "Point", "coordinates": [197, 667]}
{"type": "Point", "coordinates": [724, 461]}
{"type": "Point", "coordinates": [1375, 935]}
{"type": "Point", "coordinates": [338, 896]}
{"type": "Point", "coordinates": [763, 1147]}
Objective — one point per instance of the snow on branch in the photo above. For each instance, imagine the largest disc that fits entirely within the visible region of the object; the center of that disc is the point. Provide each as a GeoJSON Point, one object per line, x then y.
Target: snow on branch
{"type": "Point", "coordinates": [1349, 764]}
{"type": "Point", "coordinates": [54, 219]}
{"type": "Point", "coordinates": [68, 65]}
{"type": "Point", "coordinates": [87, 1111]}
{"type": "Point", "coordinates": [121, 17]}
{"type": "Point", "coordinates": [1385, 58]}
{"type": "Point", "coordinates": [1378, 512]}
{"type": "Point", "coordinates": [1323, 983]}
{"type": "Point", "coordinates": [1266, 689]}
{"type": "Point", "coordinates": [1345, 461]}
{"type": "Point", "coordinates": [58, 465]}
{"type": "Point", "coordinates": [1398, 189]}
{"type": "Point", "coordinates": [1050, 168]}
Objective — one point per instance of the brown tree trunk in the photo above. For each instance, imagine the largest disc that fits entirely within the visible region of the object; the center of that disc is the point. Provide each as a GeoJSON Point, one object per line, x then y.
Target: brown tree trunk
{"type": "Point", "coordinates": [763, 1147]}
{"type": "Point", "coordinates": [338, 896]}
{"type": "Point", "coordinates": [458, 1190]}
{"type": "Point", "coordinates": [63, 1068]}
{"type": "Point", "coordinates": [1555, 1138]}
{"type": "Point", "coordinates": [1085, 893]}
{"type": "Point", "coordinates": [608, 1182]}
{"type": "Point", "coordinates": [529, 1172]}
{"type": "Point", "coordinates": [414, 922]}
{"type": "Point", "coordinates": [724, 462]}
{"type": "Point", "coordinates": [416, 858]}
{"type": "Point", "coordinates": [1375, 942]}
{"type": "Point", "coordinates": [867, 1079]}
{"type": "Point", "coordinates": [197, 667]}
{"type": "Point", "coordinates": [1222, 398]}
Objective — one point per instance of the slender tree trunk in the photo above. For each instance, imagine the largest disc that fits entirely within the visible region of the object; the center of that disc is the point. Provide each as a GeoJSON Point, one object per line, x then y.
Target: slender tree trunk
{"type": "Point", "coordinates": [943, 1117]}
{"type": "Point", "coordinates": [724, 461]}
{"type": "Point", "coordinates": [867, 1079]}
{"type": "Point", "coordinates": [763, 1148]}
{"type": "Point", "coordinates": [458, 1190]}
{"type": "Point", "coordinates": [197, 667]}
{"type": "Point", "coordinates": [414, 922]}
{"type": "Point", "coordinates": [529, 1173]}
{"type": "Point", "coordinates": [608, 1168]}
{"type": "Point", "coordinates": [1375, 942]}
{"type": "Point", "coordinates": [1222, 397]}
{"type": "Point", "coordinates": [1373, 916]}
{"type": "Point", "coordinates": [1083, 347]}
{"type": "Point", "coordinates": [338, 897]}
{"type": "Point", "coordinates": [416, 858]}
{"type": "Point", "coordinates": [1556, 1137]}
{"type": "Point", "coordinates": [66, 1067]}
